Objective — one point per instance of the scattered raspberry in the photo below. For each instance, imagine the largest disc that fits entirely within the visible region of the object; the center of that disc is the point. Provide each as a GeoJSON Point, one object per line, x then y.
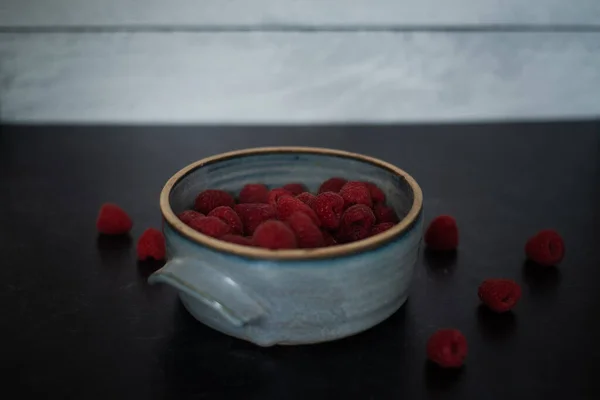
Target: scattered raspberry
{"type": "Point", "coordinates": [546, 248]}
{"type": "Point", "coordinates": [447, 348]}
{"type": "Point", "coordinates": [210, 199]}
{"type": "Point", "coordinates": [381, 228]}
{"type": "Point", "coordinates": [254, 193]}
{"type": "Point", "coordinates": [112, 220]}
{"type": "Point", "coordinates": [384, 213]}
{"type": "Point", "coordinates": [211, 226]}
{"type": "Point", "coordinates": [329, 208]}
{"type": "Point", "coordinates": [151, 245]}
{"type": "Point", "coordinates": [287, 205]}
{"type": "Point", "coordinates": [274, 235]}
{"type": "Point", "coordinates": [308, 235]}
{"type": "Point", "coordinates": [356, 193]}
{"type": "Point", "coordinates": [295, 188]}
{"type": "Point", "coordinates": [252, 215]}
{"type": "Point", "coordinates": [500, 295]}
{"type": "Point", "coordinates": [307, 198]}
{"type": "Point", "coordinates": [328, 240]}
{"type": "Point", "coordinates": [275, 194]}
{"type": "Point", "coordinates": [377, 194]}
{"type": "Point", "coordinates": [230, 217]}
{"type": "Point", "coordinates": [332, 185]}
{"type": "Point", "coordinates": [442, 234]}
{"type": "Point", "coordinates": [188, 215]}
{"type": "Point", "coordinates": [356, 224]}
{"type": "Point", "coordinates": [237, 239]}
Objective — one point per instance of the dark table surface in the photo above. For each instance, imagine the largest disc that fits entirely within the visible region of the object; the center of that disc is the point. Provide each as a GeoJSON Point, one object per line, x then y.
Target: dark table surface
{"type": "Point", "coordinates": [79, 320]}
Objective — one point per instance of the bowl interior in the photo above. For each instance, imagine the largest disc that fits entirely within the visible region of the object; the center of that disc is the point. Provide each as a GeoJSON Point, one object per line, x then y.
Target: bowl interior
{"type": "Point", "coordinates": [279, 168]}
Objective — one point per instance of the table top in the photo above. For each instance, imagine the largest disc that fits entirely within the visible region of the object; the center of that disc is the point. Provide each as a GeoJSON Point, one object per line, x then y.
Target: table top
{"type": "Point", "coordinates": [80, 321]}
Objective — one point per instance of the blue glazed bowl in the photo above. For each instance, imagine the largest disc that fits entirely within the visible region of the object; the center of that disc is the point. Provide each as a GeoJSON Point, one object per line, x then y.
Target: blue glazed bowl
{"type": "Point", "coordinates": [290, 296]}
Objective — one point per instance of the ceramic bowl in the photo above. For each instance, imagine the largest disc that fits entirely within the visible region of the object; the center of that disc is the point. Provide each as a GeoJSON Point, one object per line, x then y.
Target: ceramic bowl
{"type": "Point", "coordinates": [290, 296]}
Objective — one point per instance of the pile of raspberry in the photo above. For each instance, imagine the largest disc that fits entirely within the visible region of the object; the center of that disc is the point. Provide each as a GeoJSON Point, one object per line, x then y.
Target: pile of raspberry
{"type": "Point", "coordinates": [290, 217]}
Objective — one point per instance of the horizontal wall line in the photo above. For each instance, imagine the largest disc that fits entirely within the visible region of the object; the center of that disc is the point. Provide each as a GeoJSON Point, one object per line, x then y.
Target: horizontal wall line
{"type": "Point", "coordinates": [304, 28]}
{"type": "Point", "coordinates": [40, 13]}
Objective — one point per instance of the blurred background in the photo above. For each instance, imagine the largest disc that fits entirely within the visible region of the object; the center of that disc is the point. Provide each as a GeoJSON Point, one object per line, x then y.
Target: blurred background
{"type": "Point", "coordinates": [298, 61]}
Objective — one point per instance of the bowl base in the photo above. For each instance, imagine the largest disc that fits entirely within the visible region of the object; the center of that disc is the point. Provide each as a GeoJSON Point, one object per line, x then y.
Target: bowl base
{"type": "Point", "coordinates": [265, 340]}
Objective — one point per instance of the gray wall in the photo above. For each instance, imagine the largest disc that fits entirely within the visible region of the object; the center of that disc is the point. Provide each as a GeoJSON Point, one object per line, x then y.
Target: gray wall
{"type": "Point", "coordinates": [274, 61]}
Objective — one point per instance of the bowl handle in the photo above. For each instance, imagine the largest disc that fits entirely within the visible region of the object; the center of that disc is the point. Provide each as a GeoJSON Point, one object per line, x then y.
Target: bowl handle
{"type": "Point", "coordinates": [211, 287]}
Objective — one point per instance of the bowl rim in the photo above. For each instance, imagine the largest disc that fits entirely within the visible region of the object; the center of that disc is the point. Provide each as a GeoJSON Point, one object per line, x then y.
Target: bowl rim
{"type": "Point", "coordinates": [291, 254]}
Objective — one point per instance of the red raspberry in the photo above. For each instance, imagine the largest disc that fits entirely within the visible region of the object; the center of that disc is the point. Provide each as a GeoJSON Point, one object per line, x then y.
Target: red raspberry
{"type": "Point", "coordinates": [546, 248]}
{"type": "Point", "coordinates": [211, 226]}
{"type": "Point", "coordinates": [112, 220]}
{"type": "Point", "coordinates": [252, 215]}
{"type": "Point", "coordinates": [230, 217]}
{"type": "Point", "coordinates": [254, 193]}
{"type": "Point", "coordinates": [211, 199]}
{"type": "Point", "coordinates": [442, 234]}
{"type": "Point", "coordinates": [328, 240]}
{"type": "Point", "coordinates": [447, 348]}
{"type": "Point", "coordinates": [237, 239]}
{"type": "Point", "coordinates": [356, 224]}
{"type": "Point", "coordinates": [307, 198]}
{"type": "Point", "coordinates": [151, 245]}
{"type": "Point", "coordinates": [500, 295]}
{"type": "Point", "coordinates": [287, 205]}
{"type": "Point", "coordinates": [295, 188]}
{"type": "Point", "coordinates": [377, 194]}
{"type": "Point", "coordinates": [381, 228]}
{"type": "Point", "coordinates": [275, 194]}
{"type": "Point", "coordinates": [356, 193]}
{"type": "Point", "coordinates": [329, 207]}
{"type": "Point", "coordinates": [188, 215]}
{"type": "Point", "coordinates": [384, 213]}
{"type": "Point", "coordinates": [274, 235]}
{"type": "Point", "coordinates": [307, 233]}
{"type": "Point", "coordinates": [332, 185]}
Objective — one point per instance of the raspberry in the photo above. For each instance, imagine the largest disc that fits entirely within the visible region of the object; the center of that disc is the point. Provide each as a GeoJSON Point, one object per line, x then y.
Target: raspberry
{"type": "Point", "coordinates": [546, 248]}
{"type": "Point", "coordinates": [384, 213]}
{"type": "Point", "coordinates": [500, 295]}
{"type": "Point", "coordinates": [188, 215]}
{"type": "Point", "coordinates": [381, 228]}
{"type": "Point", "coordinates": [287, 205]}
{"type": "Point", "coordinates": [295, 188]}
{"type": "Point", "coordinates": [208, 200]}
{"type": "Point", "coordinates": [329, 207]}
{"type": "Point", "coordinates": [328, 240]}
{"type": "Point", "coordinates": [356, 224]}
{"type": "Point", "coordinates": [151, 245]}
{"type": "Point", "coordinates": [307, 233]}
{"type": "Point", "coordinates": [332, 185]}
{"type": "Point", "coordinates": [377, 194]}
{"type": "Point", "coordinates": [275, 194]}
{"type": "Point", "coordinates": [254, 193]}
{"type": "Point", "coordinates": [447, 348]}
{"type": "Point", "coordinates": [274, 235]}
{"type": "Point", "coordinates": [356, 193]}
{"type": "Point", "coordinates": [211, 226]}
{"type": "Point", "coordinates": [252, 215]}
{"type": "Point", "coordinates": [230, 217]}
{"type": "Point", "coordinates": [306, 198]}
{"type": "Point", "coordinates": [237, 239]}
{"type": "Point", "coordinates": [112, 220]}
{"type": "Point", "coordinates": [442, 234]}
